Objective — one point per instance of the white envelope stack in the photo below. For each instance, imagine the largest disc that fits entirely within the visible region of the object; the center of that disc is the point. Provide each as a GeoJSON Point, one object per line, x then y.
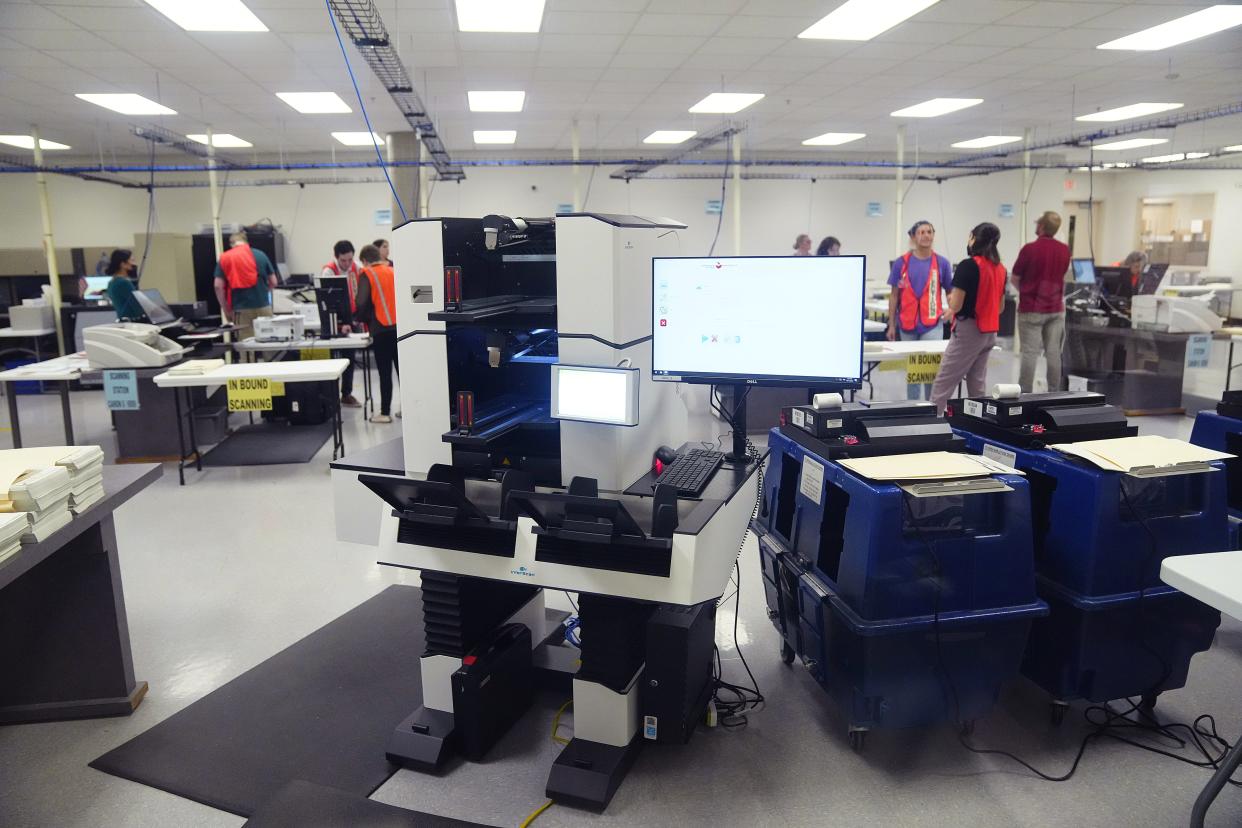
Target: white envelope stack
{"type": "Point", "coordinates": [12, 526]}
{"type": "Point", "coordinates": [39, 492]}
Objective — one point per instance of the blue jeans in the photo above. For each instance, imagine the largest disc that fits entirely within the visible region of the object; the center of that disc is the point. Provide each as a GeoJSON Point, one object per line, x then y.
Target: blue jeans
{"type": "Point", "coordinates": [919, 391]}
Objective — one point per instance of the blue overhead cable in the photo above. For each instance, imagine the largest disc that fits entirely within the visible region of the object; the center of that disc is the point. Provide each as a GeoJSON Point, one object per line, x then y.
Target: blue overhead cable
{"type": "Point", "coordinates": [383, 165]}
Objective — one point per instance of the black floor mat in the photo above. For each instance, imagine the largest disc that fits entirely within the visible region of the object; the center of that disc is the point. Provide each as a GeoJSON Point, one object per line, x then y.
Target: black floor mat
{"type": "Point", "coordinates": [300, 804]}
{"type": "Point", "coordinates": [321, 711]}
{"type": "Point", "coordinates": [269, 444]}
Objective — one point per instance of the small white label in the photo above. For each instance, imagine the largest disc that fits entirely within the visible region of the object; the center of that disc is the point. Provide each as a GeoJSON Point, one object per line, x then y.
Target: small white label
{"type": "Point", "coordinates": [991, 409]}
{"type": "Point", "coordinates": [1077, 383]}
{"type": "Point", "coordinates": [799, 418]}
{"type": "Point", "coordinates": [1000, 455]}
{"type": "Point", "coordinates": [974, 408]}
{"type": "Point", "coordinates": [812, 482]}
{"type": "Point", "coordinates": [833, 423]}
{"type": "Point", "coordinates": [1015, 410]}
{"type": "Point", "coordinates": [651, 727]}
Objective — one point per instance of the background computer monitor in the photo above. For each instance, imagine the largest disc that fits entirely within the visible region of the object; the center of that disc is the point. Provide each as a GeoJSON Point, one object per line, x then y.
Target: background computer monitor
{"type": "Point", "coordinates": [154, 306]}
{"type": "Point", "coordinates": [1084, 271]}
{"type": "Point", "coordinates": [595, 395]}
{"type": "Point", "coordinates": [96, 286]}
{"type": "Point", "coordinates": [332, 296]}
{"type": "Point", "coordinates": [1114, 279]}
{"type": "Point", "coordinates": [1150, 280]}
{"type": "Point", "coordinates": [759, 320]}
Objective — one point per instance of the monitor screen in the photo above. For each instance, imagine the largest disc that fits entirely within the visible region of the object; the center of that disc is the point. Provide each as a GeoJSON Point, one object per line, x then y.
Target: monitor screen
{"type": "Point", "coordinates": [96, 286]}
{"type": "Point", "coordinates": [1114, 279]}
{"type": "Point", "coordinates": [1150, 281]}
{"type": "Point", "coordinates": [759, 320]}
{"type": "Point", "coordinates": [1084, 271]}
{"type": "Point", "coordinates": [595, 395]}
{"type": "Point", "coordinates": [154, 306]}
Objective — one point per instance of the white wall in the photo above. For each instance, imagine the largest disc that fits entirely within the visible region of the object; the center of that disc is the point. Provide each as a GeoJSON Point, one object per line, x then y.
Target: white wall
{"type": "Point", "coordinates": [774, 212]}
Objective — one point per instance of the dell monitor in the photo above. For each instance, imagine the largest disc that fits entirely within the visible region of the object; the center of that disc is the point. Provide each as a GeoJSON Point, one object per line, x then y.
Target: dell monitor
{"type": "Point", "coordinates": [1084, 271]}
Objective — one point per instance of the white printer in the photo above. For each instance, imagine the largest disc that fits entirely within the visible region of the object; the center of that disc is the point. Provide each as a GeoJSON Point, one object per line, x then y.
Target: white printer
{"type": "Point", "coordinates": [287, 327]}
{"type": "Point", "coordinates": [129, 345]}
{"type": "Point", "coordinates": [1175, 314]}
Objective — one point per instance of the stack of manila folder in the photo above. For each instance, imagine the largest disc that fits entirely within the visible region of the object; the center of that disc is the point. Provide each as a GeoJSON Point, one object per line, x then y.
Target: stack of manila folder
{"type": "Point", "coordinates": [48, 485]}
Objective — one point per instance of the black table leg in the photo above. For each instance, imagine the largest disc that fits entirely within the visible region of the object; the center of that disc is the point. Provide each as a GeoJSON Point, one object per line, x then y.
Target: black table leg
{"type": "Point", "coordinates": [366, 381]}
{"type": "Point", "coordinates": [180, 436]}
{"type": "Point", "coordinates": [67, 413]}
{"type": "Point", "coordinates": [13, 422]}
{"type": "Point", "coordinates": [189, 408]}
{"type": "Point", "coordinates": [1228, 765]}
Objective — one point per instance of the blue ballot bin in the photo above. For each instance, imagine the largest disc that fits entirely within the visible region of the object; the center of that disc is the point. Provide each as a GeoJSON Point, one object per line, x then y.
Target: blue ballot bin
{"type": "Point", "coordinates": [1114, 629]}
{"type": "Point", "coordinates": [908, 610]}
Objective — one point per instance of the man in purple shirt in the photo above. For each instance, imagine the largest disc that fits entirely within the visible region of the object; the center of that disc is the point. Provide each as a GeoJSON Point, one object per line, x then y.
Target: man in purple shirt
{"type": "Point", "coordinates": [1039, 275]}
{"type": "Point", "coordinates": [920, 280]}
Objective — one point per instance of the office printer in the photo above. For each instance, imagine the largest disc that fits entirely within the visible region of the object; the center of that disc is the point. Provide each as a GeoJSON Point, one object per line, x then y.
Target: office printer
{"type": "Point", "coordinates": [1175, 314]}
{"type": "Point", "coordinates": [284, 328]}
{"type": "Point", "coordinates": [868, 428]}
{"type": "Point", "coordinates": [1037, 420]}
{"type": "Point", "coordinates": [129, 345]}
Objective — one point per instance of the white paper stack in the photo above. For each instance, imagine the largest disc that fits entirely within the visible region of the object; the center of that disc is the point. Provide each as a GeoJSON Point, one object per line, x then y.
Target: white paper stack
{"type": "Point", "coordinates": [41, 493]}
{"type": "Point", "coordinates": [12, 526]}
{"type": "Point", "coordinates": [1131, 454]}
{"type": "Point", "coordinates": [83, 463]}
{"type": "Point", "coordinates": [195, 367]}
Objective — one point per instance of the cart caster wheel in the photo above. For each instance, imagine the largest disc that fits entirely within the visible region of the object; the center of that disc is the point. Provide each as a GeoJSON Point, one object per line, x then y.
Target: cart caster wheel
{"type": "Point", "coordinates": [787, 653]}
{"type": "Point", "coordinates": [1148, 703]}
{"type": "Point", "coordinates": [858, 738]}
{"type": "Point", "coordinates": [1056, 712]}
{"type": "Point", "coordinates": [968, 728]}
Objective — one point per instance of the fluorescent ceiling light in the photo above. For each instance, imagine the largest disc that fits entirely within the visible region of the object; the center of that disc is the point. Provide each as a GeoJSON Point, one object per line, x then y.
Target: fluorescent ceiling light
{"type": "Point", "coordinates": [987, 141]}
{"type": "Point", "coordinates": [1125, 113]}
{"type": "Point", "coordinates": [669, 136]}
{"type": "Point", "coordinates": [496, 101]}
{"type": "Point", "coordinates": [1195, 156]}
{"type": "Point", "coordinates": [936, 107]}
{"type": "Point", "coordinates": [315, 103]}
{"type": "Point", "coordinates": [833, 139]}
{"type": "Point", "coordinates": [495, 136]}
{"type": "Point", "coordinates": [214, 16]}
{"type": "Point", "coordinates": [359, 139]}
{"type": "Point", "coordinates": [27, 142]}
{"type": "Point", "coordinates": [126, 103]}
{"type": "Point", "coordinates": [1130, 143]}
{"type": "Point", "coordinates": [499, 15]}
{"type": "Point", "coordinates": [1165, 159]}
{"type": "Point", "coordinates": [864, 19]}
{"type": "Point", "coordinates": [1183, 29]}
{"type": "Point", "coordinates": [220, 139]}
{"type": "Point", "coordinates": [726, 103]}
{"type": "Point", "coordinates": [1234, 148]}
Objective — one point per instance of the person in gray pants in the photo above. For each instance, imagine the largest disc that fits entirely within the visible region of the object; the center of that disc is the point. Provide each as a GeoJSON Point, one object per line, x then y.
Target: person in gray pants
{"type": "Point", "coordinates": [1039, 275]}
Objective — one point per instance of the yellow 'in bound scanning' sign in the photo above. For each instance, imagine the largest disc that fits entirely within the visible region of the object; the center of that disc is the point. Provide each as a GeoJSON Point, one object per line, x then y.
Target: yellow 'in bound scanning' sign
{"type": "Point", "coordinates": [922, 368]}
{"type": "Point", "coordinates": [252, 394]}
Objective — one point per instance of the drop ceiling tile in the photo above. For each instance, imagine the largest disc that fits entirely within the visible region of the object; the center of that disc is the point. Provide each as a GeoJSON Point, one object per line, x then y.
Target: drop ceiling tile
{"type": "Point", "coordinates": [679, 24]}
{"type": "Point", "coordinates": [658, 44]}
{"type": "Point", "coordinates": [571, 60]}
{"type": "Point", "coordinates": [594, 43]}
{"type": "Point", "coordinates": [786, 28]}
{"type": "Point", "coordinates": [971, 11]}
{"type": "Point", "coordinates": [20, 16]}
{"type": "Point", "coordinates": [642, 60]}
{"type": "Point", "coordinates": [76, 40]}
{"type": "Point", "coordinates": [494, 42]}
{"type": "Point", "coordinates": [1065, 14]}
{"type": "Point", "coordinates": [566, 22]}
{"type": "Point", "coordinates": [740, 46]}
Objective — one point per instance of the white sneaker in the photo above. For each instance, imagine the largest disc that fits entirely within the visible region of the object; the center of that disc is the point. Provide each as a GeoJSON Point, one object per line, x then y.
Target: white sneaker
{"type": "Point", "coordinates": [381, 418]}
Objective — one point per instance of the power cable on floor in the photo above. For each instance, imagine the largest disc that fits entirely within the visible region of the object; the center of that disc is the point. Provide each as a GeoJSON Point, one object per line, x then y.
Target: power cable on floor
{"type": "Point", "coordinates": [526, 823]}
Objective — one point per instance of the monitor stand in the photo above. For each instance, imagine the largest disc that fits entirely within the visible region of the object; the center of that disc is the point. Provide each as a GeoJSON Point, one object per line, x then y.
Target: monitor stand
{"type": "Point", "coordinates": [738, 454]}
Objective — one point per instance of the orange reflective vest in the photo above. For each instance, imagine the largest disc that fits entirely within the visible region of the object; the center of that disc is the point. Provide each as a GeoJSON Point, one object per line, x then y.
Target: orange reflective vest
{"type": "Point", "coordinates": [991, 295]}
{"type": "Point", "coordinates": [914, 308]}
{"type": "Point", "coordinates": [383, 293]}
{"type": "Point", "coordinates": [240, 269]}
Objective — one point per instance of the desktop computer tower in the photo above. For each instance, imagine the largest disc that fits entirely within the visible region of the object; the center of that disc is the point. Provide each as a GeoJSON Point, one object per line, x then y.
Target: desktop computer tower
{"type": "Point", "coordinates": [677, 681]}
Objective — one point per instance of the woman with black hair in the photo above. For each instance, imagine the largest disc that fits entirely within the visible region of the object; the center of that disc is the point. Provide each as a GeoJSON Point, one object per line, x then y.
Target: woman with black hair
{"type": "Point", "coordinates": [974, 306]}
{"type": "Point", "coordinates": [121, 288]}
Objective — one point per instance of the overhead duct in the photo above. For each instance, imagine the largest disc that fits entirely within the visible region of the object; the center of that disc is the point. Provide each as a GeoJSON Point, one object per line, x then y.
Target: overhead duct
{"type": "Point", "coordinates": [701, 142]}
{"type": "Point", "coordinates": [362, 23]}
{"type": "Point", "coordinates": [168, 138]}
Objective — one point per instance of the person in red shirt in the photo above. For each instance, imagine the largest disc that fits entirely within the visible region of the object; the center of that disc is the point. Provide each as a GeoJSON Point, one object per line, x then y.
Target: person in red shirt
{"type": "Point", "coordinates": [1039, 276]}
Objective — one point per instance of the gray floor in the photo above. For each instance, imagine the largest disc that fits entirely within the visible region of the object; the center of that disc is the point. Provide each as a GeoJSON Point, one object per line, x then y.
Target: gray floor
{"type": "Point", "coordinates": [241, 562]}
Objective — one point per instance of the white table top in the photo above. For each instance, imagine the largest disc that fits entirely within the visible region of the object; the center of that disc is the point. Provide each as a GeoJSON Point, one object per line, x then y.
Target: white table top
{"type": "Point", "coordinates": [9, 333]}
{"type": "Point", "coordinates": [900, 349]}
{"type": "Point", "coordinates": [871, 326]}
{"type": "Point", "coordinates": [307, 370]}
{"type": "Point", "coordinates": [341, 343]}
{"type": "Point", "coordinates": [64, 368]}
{"type": "Point", "coordinates": [1215, 578]}
{"type": "Point", "coordinates": [877, 306]}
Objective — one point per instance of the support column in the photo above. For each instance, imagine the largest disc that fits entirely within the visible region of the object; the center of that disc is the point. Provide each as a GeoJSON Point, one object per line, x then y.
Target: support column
{"type": "Point", "coordinates": [737, 195]}
{"type": "Point", "coordinates": [49, 244]}
{"type": "Point", "coordinates": [403, 147]}
{"type": "Point", "coordinates": [574, 148]}
{"type": "Point", "coordinates": [1023, 218]}
{"type": "Point", "coordinates": [215, 194]}
{"type": "Point", "coordinates": [424, 178]}
{"type": "Point", "coordinates": [900, 200]}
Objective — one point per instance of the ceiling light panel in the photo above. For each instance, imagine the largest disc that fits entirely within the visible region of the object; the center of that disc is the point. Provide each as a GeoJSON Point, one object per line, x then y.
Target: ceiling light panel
{"type": "Point", "coordinates": [213, 16]}
{"type": "Point", "coordinates": [125, 103]}
{"type": "Point", "coordinates": [987, 141]}
{"type": "Point", "coordinates": [1234, 148]}
{"type": "Point", "coordinates": [315, 103]}
{"type": "Point", "coordinates": [1182, 30]}
{"type": "Point", "coordinates": [1130, 143]}
{"type": "Point", "coordinates": [495, 136]}
{"type": "Point", "coordinates": [1165, 159]}
{"type": "Point", "coordinates": [670, 136]}
{"type": "Point", "coordinates": [496, 101]}
{"type": "Point", "coordinates": [936, 107]}
{"type": "Point", "coordinates": [726, 103]}
{"type": "Point", "coordinates": [359, 139]}
{"type": "Point", "coordinates": [27, 142]}
{"type": "Point", "coordinates": [1125, 113]}
{"type": "Point", "coordinates": [499, 15]}
{"type": "Point", "coordinates": [864, 19]}
{"type": "Point", "coordinates": [221, 140]}
{"type": "Point", "coordinates": [833, 139]}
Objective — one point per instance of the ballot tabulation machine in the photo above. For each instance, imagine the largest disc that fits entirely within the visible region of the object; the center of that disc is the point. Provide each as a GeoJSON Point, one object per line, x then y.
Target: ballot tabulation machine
{"type": "Point", "coordinates": [1114, 630]}
{"type": "Point", "coordinates": [1221, 430]}
{"type": "Point", "coordinates": [558, 355]}
{"type": "Point", "coordinates": [891, 593]}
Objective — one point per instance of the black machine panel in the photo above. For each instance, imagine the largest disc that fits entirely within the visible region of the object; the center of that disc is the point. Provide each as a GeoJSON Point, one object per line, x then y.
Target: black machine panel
{"type": "Point", "coordinates": [1036, 420]}
{"type": "Point", "coordinates": [863, 429]}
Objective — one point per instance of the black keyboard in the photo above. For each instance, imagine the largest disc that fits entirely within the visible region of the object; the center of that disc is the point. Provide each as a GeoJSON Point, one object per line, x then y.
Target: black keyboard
{"type": "Point", "coordinates": [691, 471]}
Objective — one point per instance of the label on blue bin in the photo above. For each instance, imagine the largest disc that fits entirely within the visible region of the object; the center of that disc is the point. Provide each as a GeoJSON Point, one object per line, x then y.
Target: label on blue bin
{"type": "Point", "coordinates": [651, 727]}
{"type": "Point", "coordinates": [812, 482]}
{"type": "Point", "coordinates": [1000, 455]}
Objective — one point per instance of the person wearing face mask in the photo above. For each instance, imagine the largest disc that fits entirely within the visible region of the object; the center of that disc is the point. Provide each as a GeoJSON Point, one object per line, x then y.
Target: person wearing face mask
{"type": "Point", "coordinates": [974, 305]}
{"type": "Point", "coordinates": [802, 245]}
{"type": "Point", "coordinates": [120, 288]}
{"type": "Point", "coordinates": [830, 246]}
{"type": "Point", "coordinates": [343, 264]}
{"type": "Point", "coordinates": [919, 280]}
